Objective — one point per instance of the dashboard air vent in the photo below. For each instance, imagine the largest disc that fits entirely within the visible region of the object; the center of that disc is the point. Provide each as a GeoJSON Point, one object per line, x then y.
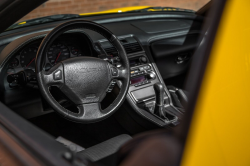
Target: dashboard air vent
{"type": "Point", "coordinates": [132, 48]}
{"type": "Point", "coordinates": [111, 51]}
{"type": "Point", "coordinates": [129, 48]}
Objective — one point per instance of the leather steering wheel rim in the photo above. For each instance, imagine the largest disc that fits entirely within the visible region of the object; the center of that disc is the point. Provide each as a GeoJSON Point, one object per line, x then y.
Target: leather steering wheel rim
{"type": "Point", "coordinates": [61, 75]}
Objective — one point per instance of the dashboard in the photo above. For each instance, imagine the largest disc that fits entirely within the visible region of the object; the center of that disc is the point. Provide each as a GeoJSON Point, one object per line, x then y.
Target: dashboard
{"type": "Point", "coordinates": [159, 47]}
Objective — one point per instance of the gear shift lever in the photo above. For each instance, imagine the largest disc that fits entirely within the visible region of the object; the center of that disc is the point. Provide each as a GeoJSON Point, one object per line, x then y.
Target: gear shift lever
{"type": "Point", "coordinates": [159, 102]}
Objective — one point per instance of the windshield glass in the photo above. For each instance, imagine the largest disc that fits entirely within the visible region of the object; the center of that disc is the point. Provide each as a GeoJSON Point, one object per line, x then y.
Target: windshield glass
{"type": "Point", "coordinates": [54, 10]}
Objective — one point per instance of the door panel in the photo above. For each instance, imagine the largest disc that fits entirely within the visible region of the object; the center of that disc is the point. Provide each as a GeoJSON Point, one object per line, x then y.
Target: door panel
{"type": "Point", "coordinates": [172, 55]}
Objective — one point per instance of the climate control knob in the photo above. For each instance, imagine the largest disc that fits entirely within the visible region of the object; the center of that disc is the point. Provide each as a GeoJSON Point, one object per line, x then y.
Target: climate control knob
{"type": "Point", "coordinates": [143, 60]}
{"type": "Point", "coordinates": [151, 75]}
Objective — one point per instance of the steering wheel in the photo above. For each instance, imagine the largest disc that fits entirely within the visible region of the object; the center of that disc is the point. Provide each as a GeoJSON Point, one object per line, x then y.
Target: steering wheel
{"type": "Point", "coordinates": [84, 80]}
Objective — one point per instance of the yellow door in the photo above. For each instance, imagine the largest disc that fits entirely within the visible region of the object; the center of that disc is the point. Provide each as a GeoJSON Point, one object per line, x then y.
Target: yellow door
{"type": "Point", "coordinates": [220, 129]}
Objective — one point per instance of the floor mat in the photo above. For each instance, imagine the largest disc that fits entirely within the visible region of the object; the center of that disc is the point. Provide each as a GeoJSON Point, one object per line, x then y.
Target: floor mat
{"type": "Point", "coordinates": [84, 135]}
{"type": "Point", "coordinates": [72, 146]}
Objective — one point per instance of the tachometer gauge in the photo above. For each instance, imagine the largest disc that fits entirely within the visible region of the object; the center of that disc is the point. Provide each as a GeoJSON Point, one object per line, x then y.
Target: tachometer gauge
{"type": "Point", "coordinates": [57, 53]}
{"type": "Point", "coordinates": [27, 58]}
{"type": "Point", "coordinates": [14, 63]}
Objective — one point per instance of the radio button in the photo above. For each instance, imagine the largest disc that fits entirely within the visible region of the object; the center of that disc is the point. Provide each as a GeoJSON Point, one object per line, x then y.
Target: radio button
{"type": "Point", "coordinates": [147, 67]}
{"type": "Point", "coordinates": [141, 68]}
{"type": "Point", "coordinates": [149, 70]}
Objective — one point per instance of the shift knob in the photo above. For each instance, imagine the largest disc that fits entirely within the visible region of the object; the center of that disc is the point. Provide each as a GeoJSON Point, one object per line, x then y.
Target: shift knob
{"type": "Point", "coordinates": [159, 92]}
{"type": "Point", "coordinates": [159, 100]}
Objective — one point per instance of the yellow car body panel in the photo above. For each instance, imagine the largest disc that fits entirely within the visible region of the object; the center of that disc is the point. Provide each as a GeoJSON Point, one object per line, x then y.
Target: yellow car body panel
{"type": "Point", "coordinates": [127, 9]}
{"type": "Point", "coordinates": [120, 10]}
{"type": "Point", "coordinates": [117, 10]}
{"type": "Point", "coordinates": [220, 129]}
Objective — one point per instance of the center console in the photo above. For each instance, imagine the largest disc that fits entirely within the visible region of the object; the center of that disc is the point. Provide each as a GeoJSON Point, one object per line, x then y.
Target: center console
{"type": "Point", "coordinates": [144, 76]}
{"type": "Point", "coordinates": [147, 94]}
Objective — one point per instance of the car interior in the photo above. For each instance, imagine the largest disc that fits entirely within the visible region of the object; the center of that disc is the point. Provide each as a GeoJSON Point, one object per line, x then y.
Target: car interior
{"type": "Point", "coordinates": [94, 83]}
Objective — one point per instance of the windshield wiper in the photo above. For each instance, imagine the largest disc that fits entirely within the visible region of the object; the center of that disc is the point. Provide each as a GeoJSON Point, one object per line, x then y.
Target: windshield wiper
{"type": "Point", "coordinates": [42, 20]}
{"type": "Point", "coordinates": [162, 9]}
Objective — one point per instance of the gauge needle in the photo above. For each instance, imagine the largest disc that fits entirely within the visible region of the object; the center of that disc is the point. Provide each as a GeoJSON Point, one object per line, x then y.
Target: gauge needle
{"type": "Point", "coordinates": [58, 56]}
{"type": "Point", "coordinates": [30, 62]}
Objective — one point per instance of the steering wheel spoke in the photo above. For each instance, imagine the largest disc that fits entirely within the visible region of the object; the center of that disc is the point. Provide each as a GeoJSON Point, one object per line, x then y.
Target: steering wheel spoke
{"type": "Point", "coordinates": [88, 112]}
{"type": "Point", "coordinates": [54, 77]}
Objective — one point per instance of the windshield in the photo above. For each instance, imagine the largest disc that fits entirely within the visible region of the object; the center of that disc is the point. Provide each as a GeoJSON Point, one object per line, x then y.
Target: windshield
{"type": "Point", "coordinates": [54, 10]}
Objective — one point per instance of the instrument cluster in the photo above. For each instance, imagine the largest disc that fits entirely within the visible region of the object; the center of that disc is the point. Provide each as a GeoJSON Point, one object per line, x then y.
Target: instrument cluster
{"type": "Point", "coordinates": [23, 63]}
{"type": "Point", "coordinates": [59, 51]}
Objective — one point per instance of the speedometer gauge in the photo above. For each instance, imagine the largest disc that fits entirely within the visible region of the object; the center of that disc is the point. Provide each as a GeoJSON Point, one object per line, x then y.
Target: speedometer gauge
{"type": "Point", "coordinates": [27, 57]}
{"type": "Point", "coordinates": [57, 53]}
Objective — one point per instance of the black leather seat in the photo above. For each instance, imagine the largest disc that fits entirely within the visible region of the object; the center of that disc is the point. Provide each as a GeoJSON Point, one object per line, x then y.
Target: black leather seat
{"type": "Point", "coordinates": [105, 151]}
{"type": "Point", "coordinates": [154, 148]}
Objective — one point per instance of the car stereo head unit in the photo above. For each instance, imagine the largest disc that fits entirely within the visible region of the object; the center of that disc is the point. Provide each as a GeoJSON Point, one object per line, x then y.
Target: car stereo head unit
{"type": "Point", "coordinates": [141, 72]}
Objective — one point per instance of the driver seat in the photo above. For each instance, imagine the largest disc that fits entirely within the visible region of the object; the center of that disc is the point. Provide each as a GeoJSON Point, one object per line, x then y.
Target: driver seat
{"type": "Point", "coordinates": [154, 148]}
{"type": "Point", "coordinates": [105, 152]}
